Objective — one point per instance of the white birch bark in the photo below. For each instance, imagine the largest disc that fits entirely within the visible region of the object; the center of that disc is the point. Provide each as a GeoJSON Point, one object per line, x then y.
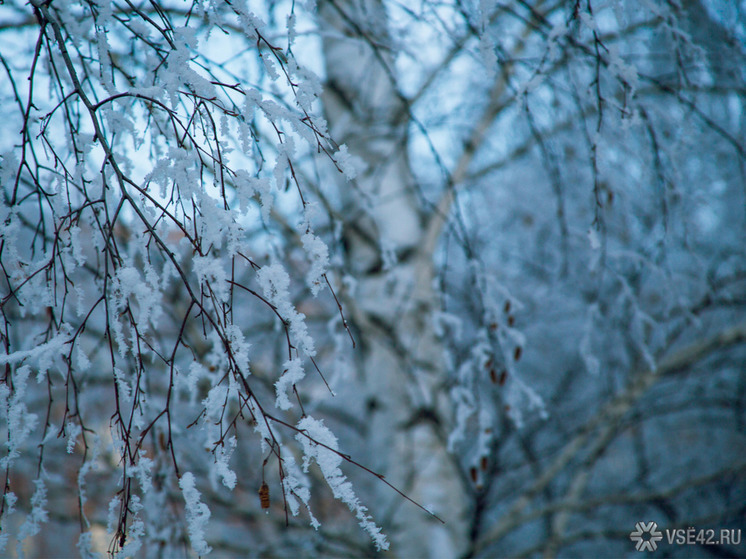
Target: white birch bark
{"type": "Point", "coordinates": [401, 366]}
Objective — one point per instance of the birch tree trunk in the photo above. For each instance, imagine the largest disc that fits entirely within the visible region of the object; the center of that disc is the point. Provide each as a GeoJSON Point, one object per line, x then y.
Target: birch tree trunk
{"type": "Point", "coordinates": [400, 361]}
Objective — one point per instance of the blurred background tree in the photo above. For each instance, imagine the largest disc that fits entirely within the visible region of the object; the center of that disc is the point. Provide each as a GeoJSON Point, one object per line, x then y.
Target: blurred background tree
{"type": "Point", "coordinates": [498, 249]}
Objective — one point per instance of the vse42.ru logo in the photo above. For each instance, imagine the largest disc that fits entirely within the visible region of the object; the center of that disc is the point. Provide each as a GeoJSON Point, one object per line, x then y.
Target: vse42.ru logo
{"type": "Point", "coordinates": [646, 536]}
{"type": "Point", "coordinates": [691, 536]}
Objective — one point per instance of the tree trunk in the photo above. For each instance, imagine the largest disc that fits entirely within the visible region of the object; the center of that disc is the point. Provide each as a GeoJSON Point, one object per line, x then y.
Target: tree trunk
{"type": "Point", "coordinates": [400, 357]}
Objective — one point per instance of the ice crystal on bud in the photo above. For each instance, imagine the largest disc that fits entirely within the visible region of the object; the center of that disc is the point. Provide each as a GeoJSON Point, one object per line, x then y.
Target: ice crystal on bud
{"type": "Point", "coordinates": [318, 254]}
{"type": "Point", "coordinates": [292, 374]}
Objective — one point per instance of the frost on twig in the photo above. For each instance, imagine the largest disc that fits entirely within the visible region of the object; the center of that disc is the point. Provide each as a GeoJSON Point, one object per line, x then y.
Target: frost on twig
{"type": "Point", "coordinates": [197, 514]}
{"type": "Point", "coordinates": [327, 457]}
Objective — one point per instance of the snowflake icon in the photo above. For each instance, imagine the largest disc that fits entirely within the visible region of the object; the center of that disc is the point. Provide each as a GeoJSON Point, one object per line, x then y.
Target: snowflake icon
{"type": "Point", "coordinates": [649, 544]}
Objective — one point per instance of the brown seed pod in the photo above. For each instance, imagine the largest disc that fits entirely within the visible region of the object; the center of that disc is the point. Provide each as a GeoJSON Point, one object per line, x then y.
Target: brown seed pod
{"type": "Point", "coordinates": [474, 474]}
{"type": "Point", "coordinates": [517, 353]}
{"type": "Point", "coordinates": [493, 376]}
{"type": "Point", "coordinates": [511, 320]}
{"type": "Point", "coordinates": [264, 495]}
{"type": "Point", "coordinates": [507, 307]}
{"type": "Point", "coordinates": [483, 463]}
{"type": "Point", "coordinates": [503, 377]}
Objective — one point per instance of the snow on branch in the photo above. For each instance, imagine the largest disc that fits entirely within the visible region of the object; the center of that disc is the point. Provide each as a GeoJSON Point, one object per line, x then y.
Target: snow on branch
{"type": "Point", "coordinates": [197, 514]}
{"type": "Point", "coordinates": [328, 458]}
